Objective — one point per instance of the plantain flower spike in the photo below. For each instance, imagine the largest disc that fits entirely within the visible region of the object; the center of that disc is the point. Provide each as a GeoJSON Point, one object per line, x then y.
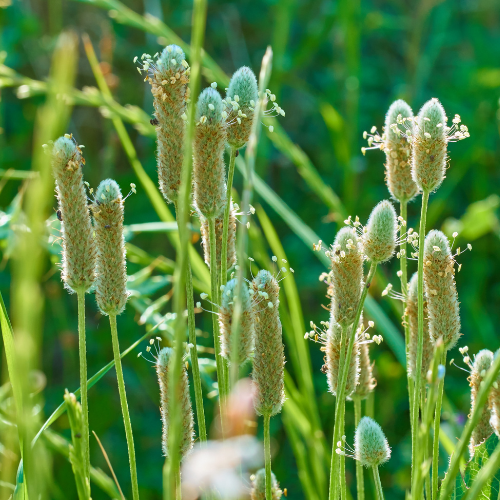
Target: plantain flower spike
{"type": "Point", "coordinates": [241, 97]}
{"type": "Point", "coordinates": [483, 430]}
{"type": "Point", "coordinates": [231, 238]}
{"type": "Point", "coordinates": [187, 421]}
{"type": "Point", "coordinates": [78, 249]}
{"type": "Point", "coordinates": [397, 150]}
{"type": "Point", "coordinates": [259, 486]}
{"type": "Point", "coordinates": [346, 257]}
{"type": "Point", "coordinates": [380, 234]}
{"type": "Point", "coordinates": [209, 171]}
{"type": "Point", "coordinates": [269, 358]}
{"type": "Point", "coordinates": [441, 290]}
{"type": "Point", "coordinates": [412, 315]}
{"type": "Point", "coordinates": [366, 381]}
{"type": "Point", "coordinates": [494, 403]}
{"type": "Point", "coordinates": [168, 75]}
{"type": "Point", "coordinates": [111, 282]}
{"type": "Point", "coordinates": [370, 444]}
{"type": "Point", "coordinates": [246, 326]}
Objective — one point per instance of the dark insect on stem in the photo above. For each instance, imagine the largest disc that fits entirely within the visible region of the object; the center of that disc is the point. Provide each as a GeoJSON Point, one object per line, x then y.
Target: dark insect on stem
{"type": "Point", "coordinates": [237, 153]}
{"type": "Point", "coordinates": [432, 157]}
{"type": "Point", "coordinates": [154, 121]}
{"type": "Point", "coordinates": [368, 285]}
{"type": "Point", "coordinates": [107, 226]}
{"type": "Point", "coordinates": [59, 215]}
{"type": "Point", "coordinates": [78, 435]}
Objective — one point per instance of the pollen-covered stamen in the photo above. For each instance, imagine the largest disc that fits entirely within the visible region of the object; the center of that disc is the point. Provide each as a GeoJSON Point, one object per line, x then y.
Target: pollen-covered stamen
{"type": "Point", "coordinates": [375, 140]}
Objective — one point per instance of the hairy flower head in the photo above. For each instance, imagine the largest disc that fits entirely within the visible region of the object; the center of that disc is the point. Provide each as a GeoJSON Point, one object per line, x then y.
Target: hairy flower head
{"type": "Point", "coordinates": [370, 444]}
{"type": "Point", "coordinates": [259, 486]}
{"type": "Point", "coordinates": [379, 237]}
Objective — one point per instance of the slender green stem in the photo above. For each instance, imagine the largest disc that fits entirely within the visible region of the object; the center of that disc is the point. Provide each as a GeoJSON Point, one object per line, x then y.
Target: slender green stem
{"type": "Point", "coordinates": [267, 456]}
{"type": "Point", "coordinates": [360, 482]}
{"type": "Point", "coordinates": [334, 472]}
{"type": "Point", "coordinates": [378, 484]}
{"type": "Point", "coordinates": [227, 210]}
{"type": "Point", "coordinates": [426, 448]}
{"type": "Point", "coordinates": [343, 482]}
{"type": "Point", "coordinates": [124, 405]}
{"type": "Point", "coordinates": [420, 293]}
{"type": "Point", "coordinates": [437, 426]}
{"type": "Point", "coordinates": [198, 393]}
{"type": "Point", "coordinates": [83, 381]}
{"type": "Point", "coordinates": [215, 320]}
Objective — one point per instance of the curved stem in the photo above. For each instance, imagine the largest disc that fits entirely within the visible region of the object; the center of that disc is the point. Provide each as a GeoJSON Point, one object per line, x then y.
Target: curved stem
{"type": "Point", "coordinates": [360, 482]}
{"type": "Point", "coordinates": [198, 393]}
{"type": "Point", "coordinates": [420, 293]}
{"type": "Point", "coordinates": [378, 484]}
{"type": "Point", "coordinates": [267, 457]}
{"type": "Point", "coordinates": [82, 348]}
{"type": "Point", "coordinates": [334, 472]}
{"type": "Point", "coordinates": [437, 426]}
{"type": "Point", "coordinates": [215, 319]}
{"type": "Point", "coordinates": [124, 405]}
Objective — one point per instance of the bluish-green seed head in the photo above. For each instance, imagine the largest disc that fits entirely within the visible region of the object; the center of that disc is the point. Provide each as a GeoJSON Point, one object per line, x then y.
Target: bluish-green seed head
{"type": "Point", "coordinates": [62, 152]}
{"type": "Point", "coordinates": [370, 444]}
{"type": "Point", "coordinates": [108, 191]}
{"type": "Point", "coordinates": [210, 106]}
{"type": "Point", "coordinates": [170, 59]}
{"type": "Point", "coordinates": [379, 238]}
{"type": "Point", "coordinates": [244, 85]}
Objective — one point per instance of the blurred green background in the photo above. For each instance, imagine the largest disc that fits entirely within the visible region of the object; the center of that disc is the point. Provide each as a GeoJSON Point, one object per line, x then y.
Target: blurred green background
{"type": "Point", "coordinates": [337, 67]}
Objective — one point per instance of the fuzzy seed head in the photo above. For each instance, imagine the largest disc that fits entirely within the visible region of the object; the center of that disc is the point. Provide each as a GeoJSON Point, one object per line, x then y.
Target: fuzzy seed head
{"type": "Point", "coordinates": [259, 486]}
{"type": "Point", "coordinates": [246, 328]}
{"type": "Point", "coordinates": [346, 276]}
{"type": "Point", "coordinates": [429, 147]}
{"type": "Point", "coordinates": [332, 359]}
{"type": "Point", "coordinates": [494, 403]}
{"type": "Point", "coordinates": [78, 249]}
{"type": "Point", "coordinates": [379, 240]}
{"type": "Point", "coordinates": [370, 444]}
{"type": "Point", "coordinates": [244, 85]}
{"type": "Point", "coordinates": [111, 282]}
{"type": "Point", "coordinates": [170, 87]}
{"type": "Point", "coordinates": [187, 431]}
{"type": "Point", "coordinates": [440, 290]}
{"type": "Point", "coordinates": [397, 150]}
{"type": "Point", "coordinates": [209, 171]}
{"type": "Point", "coordinates": [269, 358]}
{"type": "Point", "coordinates": [231, 238]}
{"type": "Point", "coordinates": [366, 382]}
{"type": "Point", "coordinates": [412, 315]}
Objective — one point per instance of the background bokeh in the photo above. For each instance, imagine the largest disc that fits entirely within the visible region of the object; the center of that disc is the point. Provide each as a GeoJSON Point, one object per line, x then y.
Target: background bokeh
{"type": "Point", "coordinates": [337, 67]}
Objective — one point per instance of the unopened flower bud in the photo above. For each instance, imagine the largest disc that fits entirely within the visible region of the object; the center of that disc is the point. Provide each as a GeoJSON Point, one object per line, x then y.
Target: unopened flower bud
{"type": "Point", "coordinates": [379, 240]}
{"type": "Point", "coordinates": [370, 444]}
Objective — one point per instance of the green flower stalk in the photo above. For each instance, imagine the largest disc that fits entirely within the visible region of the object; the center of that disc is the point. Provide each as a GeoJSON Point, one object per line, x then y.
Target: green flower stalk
{"type": "Point", "coordinates": [259, 486]}
{"type": "Point", "coordinates": [241, 96]}
{"type": "Point", "coordinates": [78, 251]}
{"type": "Point", "coordinates": [483, 430]}
{"type": "Point", "coordinates": [230, 242]}
{"type": "Point", "coordinates": [412, 315]}
{"type": "Point", "coordinates": [209, 186]}
{"type": "Point", "coordinates": [111, 288]}
{"type": "Point", "coordinates": [246, 337]}
{"type": "Point", "coordinates": [441, 290]}
{"type": "Point", "coordinates": [169, 79]}
{"type": "Point", "coordinates": [184, 401]}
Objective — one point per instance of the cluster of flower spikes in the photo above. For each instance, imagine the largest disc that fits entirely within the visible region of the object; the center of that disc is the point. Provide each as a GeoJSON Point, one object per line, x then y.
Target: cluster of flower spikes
{"type": "Point", "coordinates": [412, 318]}
{"type": "Point", "coordinates": [231, 238]}
{"type": "Point", "coordinates": [380, 233]}
{"type": "Point", "coordinates": [269, 358]}
{"type": "Point", "coordinates": [259, 486]}
{"type": "Point", "coordinates": [483, 430]}
{"type": "Point", "coordinates": [246, 325]}
{"type": "Point", "coordinates": [168, 75]}
{"type": "Point", "coordinates": [494, 403]}
{"type": "Point", "coordinates": [79, 253]}
{"type": "Point", "coordinates": [440, 290]}
{"type": "Point", "coordinates": [209, 171]}
{"type": "Point", "coordinates": [241, 96]}
{"type": "Point", "coordinates": [397, 149]}
{"type": "Point", "coordinates": [111, 281]}
{"type": "Point", "coordinates": [184, 402]}
{"type": "Point", "coordinates": [429, 136]}
{"type": "Point", "coordinates": [370, 444]}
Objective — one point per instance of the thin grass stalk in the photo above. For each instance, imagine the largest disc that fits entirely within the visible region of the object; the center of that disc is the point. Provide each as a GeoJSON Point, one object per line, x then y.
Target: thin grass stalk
{"type": "Point", "coordinates": [341, 458]}
{"type": "Point", "coordinates": [418, 367]}
{"type": "Point", "coordinates": [360, 482]}
{"type": "Point", "coordinates": [427, 453]}
{"type": "Point", "coordinates": [267, 456]}
{"type": "Point", "coordinates": [172, 464]}
{"type": "Point", "coordinates": [198, 393]}
{"type": "Point", "coordinates": [378, 484]}
{"type": "Point", "coordinates": [437, 426]}
{"type": "Point", "coordinates": [334, 472]}
{"type": "Point", "coordinates": [251, 151]}
{"type": "Point", "coordinates": [82, 348]}
{"type": "Point", "coordinates": [124, 405]}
